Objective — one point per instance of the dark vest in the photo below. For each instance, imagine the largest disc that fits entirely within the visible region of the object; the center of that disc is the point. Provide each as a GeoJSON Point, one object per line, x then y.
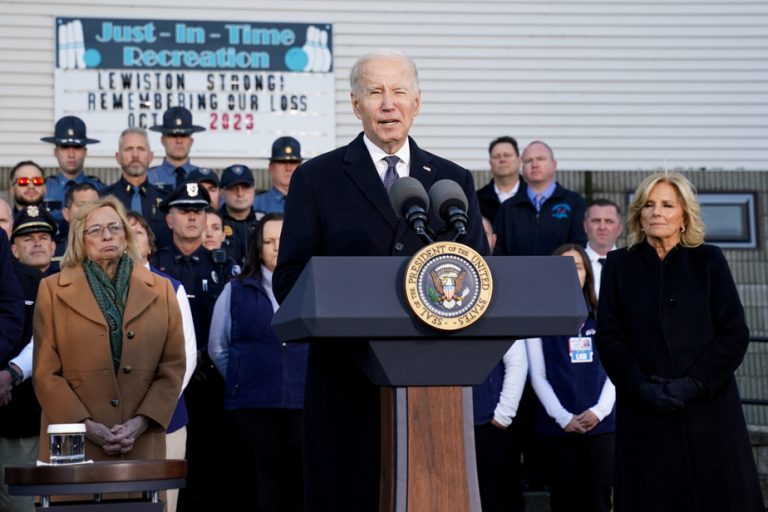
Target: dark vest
{"type": "Point", "coordinates": [485, 396]}
{"type": "Point", "coordinates": [577, 385]}
{"type": "Point", "coordinates": [263, 371]}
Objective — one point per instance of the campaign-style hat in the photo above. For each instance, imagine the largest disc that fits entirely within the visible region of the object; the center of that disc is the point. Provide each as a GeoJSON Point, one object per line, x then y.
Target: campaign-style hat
{"type": "Point", "coordinates": [202, 174]}
{"type": "Point", "coordinates": [187, 196]}
{"type": "Point", "coordinates": [286, 149]}
{"type": "Point", "coordinates": [177, 121]}
{"type": "Point", "coordinates": [33, 219]}
{"type": "Point", "coordinates": [69, 131]}
{"type": "Point", "coordinates": [236, 174]}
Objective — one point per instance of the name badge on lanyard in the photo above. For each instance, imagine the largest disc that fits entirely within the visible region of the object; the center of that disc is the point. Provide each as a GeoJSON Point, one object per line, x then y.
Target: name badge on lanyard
{"type": "Point", "coordinates": [580, 349]}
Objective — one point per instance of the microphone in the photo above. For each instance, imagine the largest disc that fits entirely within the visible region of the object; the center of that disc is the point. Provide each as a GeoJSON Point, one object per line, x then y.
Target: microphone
{"type": "Point", "coordinates": [449, 202]}
{"type": "Point", "coordinates": [411, 201]}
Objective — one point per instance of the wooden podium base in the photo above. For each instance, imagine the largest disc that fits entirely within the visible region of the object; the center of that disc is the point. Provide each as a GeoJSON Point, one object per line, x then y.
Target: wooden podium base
{"type": "Point", "coordinates": [428, 450]}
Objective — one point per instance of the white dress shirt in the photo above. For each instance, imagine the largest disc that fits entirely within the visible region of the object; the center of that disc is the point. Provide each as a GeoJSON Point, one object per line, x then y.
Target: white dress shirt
{"type": "Point", "coordinates": [597, 267]}
{"type": "Point", "coordinates": [377, 155]}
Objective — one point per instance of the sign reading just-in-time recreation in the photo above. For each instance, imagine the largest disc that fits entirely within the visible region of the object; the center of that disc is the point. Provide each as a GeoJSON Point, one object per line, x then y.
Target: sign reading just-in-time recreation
{"type": "Point", "coordinates": [246, 82]}
{"type": "Point", "coordinates": [448, 285]}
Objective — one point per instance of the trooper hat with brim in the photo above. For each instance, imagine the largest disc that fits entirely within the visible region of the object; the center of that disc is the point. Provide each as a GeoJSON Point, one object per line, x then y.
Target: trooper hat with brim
{"type": "Point", "coordinates": [177, 121]}
{"type": "Point", "coordinates": [69, 131]}
{"type": "Point", "coordinates": [286, 149]}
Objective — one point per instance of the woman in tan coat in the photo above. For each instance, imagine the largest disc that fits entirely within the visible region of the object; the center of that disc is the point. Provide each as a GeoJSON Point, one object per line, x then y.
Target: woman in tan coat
{"type": "Point", "coordinates": [109, 346]}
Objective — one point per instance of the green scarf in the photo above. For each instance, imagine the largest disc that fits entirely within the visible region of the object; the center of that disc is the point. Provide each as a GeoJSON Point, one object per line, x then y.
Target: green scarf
{"type": "Point", "coordinates": [110, 295]}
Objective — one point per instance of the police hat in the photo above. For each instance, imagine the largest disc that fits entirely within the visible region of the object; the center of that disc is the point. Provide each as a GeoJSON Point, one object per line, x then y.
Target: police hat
{"type": "Point", "coordinates": [33, 219]}
{"type": "Point", "coordinates": [203, 174]}
{"type": "Point", "coordinates": [187, 196]}
{"type": "Point", "coordinates": [69, 131]}
{"type": "Point", "coordinates": [177, 121]}
{"type": "Point", "coordinates": [236, 174]}
{"type": "Point", "coordinates": [286, 149]}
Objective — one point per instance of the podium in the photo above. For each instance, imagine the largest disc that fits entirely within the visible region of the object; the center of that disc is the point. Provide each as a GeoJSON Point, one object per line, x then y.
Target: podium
{"type": "Point", "coordinates": [425, 375]}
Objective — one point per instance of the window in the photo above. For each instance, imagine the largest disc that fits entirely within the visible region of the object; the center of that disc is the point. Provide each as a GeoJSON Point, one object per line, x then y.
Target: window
{"type": "Point", "coordinates": [730, 219]}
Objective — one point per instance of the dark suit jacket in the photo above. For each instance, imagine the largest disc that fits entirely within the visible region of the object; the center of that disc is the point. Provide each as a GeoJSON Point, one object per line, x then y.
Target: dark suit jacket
{"type": "Point", "coordinates": [337, 205]}
{"type": "Point", "coordinates": [151, 197]}
{"type": "Point", "coordinates": [489, 201]}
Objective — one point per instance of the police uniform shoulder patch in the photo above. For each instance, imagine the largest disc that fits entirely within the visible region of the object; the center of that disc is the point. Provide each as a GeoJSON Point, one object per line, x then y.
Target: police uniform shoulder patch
{"type": "Point", "coordinates": [448, 286]}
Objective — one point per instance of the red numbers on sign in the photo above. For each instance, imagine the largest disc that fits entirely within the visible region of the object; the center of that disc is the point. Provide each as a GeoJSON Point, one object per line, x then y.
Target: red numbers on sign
{"type": "Point", "coordinates": [231, 122]}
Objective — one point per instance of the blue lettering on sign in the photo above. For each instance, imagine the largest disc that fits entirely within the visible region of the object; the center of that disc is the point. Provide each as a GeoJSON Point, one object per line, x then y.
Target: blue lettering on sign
{"type": "Point", "coordinates": [127, 33]}
{"type": "Point", "coordinates": [229, 58]}
{"type": "Point", "coordinates": [102, 43]}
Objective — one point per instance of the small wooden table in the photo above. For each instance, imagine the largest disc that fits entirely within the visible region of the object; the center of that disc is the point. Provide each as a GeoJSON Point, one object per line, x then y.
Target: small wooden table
{"type": "Point", "coordinates": [146, 476]}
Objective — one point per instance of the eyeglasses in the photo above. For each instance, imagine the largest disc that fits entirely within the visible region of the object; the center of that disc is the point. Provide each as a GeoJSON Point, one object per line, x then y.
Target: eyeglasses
{"type": "Point", "coordinates": [36, 181]}
{"type": "Point", "coordinates": [98, 230]}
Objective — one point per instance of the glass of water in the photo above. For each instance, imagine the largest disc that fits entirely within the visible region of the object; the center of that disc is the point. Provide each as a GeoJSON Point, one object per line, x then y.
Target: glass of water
{"type": "Point", "coordinates": [67, 443]}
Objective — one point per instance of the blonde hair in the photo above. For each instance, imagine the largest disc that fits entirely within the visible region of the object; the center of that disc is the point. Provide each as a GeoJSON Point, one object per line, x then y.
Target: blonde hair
{"type": "Point", "coordinates": [693, 236]}
{"type": "Point", "coordinates": [75, 254]}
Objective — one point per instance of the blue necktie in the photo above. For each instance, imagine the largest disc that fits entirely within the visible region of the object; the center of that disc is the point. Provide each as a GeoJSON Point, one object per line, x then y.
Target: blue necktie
{"type": "Point", "coordinates": [181, 176]}
{"type": "Point", "coordinates": [136, 200]}
{"type": "Point", "coordinates": [391, 175]}
{"type": "Point", "coordinates": [538, 201]}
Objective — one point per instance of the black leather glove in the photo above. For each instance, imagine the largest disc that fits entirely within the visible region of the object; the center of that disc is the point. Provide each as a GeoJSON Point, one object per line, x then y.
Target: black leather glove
{"type": "Point", "coordinates": [684, 388]}
{"type": "Point", "coordinates": [655, 395]}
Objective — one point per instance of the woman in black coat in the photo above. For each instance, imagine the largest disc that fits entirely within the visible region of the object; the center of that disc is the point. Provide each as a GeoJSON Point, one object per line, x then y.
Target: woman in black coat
{"type": "Point", "coordinates": [671, 332]}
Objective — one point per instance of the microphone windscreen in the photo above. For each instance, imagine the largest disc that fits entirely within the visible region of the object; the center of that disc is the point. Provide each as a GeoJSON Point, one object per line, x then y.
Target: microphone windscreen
{"type": "Point", "coordinates": [407, 192]}
{"type": "Point", "coordinates": [445, 194]}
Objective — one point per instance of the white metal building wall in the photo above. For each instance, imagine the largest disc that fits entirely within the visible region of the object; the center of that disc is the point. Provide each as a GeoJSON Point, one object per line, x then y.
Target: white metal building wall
{"type": "Point", "coordinates": [611, 85]}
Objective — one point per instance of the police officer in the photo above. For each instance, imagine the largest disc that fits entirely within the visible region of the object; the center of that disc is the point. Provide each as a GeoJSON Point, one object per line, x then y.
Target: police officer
{"type": "Point", "coordinates": [32, 242]}
{"type": "Point", "coordinates": [210, 180]}
{"type": "Point", "coordinates": [238, 190]}
{"type": "Point", "coordinates": [203, 274]}
{"type": "Point", "coordinates": [71, 142]}
{"type": "Point", "coordinates": [177, 130]}
{"type": "Point", "coordinates": [20, 418]}
{"type": "Point", "coordinates": [286, 157]}
{"type": "Point", "coordinates": [133, 189]}
{"type": "Point", "coordinates": [19, 411]}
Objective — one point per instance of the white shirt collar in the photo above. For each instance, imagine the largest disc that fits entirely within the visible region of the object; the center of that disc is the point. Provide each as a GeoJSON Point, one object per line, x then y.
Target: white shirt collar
{"type": "Point", "coordinates": [503, 196]}
{"type": "Point", "coordinates": [266, 280]}
{"type": "Point", "coordinates": [378, 154]}
{"type": "Point", "coordinates": [593, 256]}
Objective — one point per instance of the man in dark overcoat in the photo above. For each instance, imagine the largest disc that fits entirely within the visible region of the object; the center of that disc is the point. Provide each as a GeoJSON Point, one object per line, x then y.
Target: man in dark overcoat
{"type": "Point", "coordinates": [338, 205]}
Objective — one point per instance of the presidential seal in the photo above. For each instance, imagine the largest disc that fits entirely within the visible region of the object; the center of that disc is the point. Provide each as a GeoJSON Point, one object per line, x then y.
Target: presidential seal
{"type": "Point", "coordinates": [448, 285]}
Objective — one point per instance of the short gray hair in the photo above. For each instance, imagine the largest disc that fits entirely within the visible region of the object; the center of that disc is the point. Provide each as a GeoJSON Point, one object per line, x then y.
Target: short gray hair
{"type": "Point", "coordinates": [354, 74]}
{"type": "Point", "coordinates": [134, 130]}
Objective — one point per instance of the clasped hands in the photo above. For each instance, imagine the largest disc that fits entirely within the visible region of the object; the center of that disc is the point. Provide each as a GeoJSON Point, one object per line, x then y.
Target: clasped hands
{"type": "Point", "coordinates": [582, 423]}
{"type": "Point", "coordinates": [665, 394]}
{"type": "Point", "coordinates": [118, 439]}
